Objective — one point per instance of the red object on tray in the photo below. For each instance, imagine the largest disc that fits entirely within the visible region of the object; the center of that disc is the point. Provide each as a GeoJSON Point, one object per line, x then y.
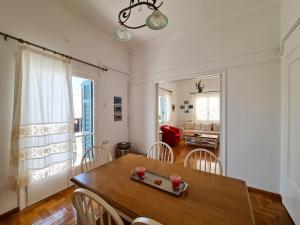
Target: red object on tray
{"type": "Point", "coordinates": [141, 171]}
{"type": "Point", "coordinates": [171, 135]}
{"type": "Point", "coordinates": [176, 179]}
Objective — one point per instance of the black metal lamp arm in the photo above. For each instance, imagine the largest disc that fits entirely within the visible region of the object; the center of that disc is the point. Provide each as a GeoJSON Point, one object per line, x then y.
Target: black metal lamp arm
{"type": "Point", "coordinates": [124, 14]}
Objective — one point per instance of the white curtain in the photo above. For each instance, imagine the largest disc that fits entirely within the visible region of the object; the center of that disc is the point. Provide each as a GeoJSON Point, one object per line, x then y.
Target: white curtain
{"type": "Point", "coordinates": [165, 106]}
{"type": "Point", "coordinates": [168, 106]}
{"type": "Point", "coordinates": [43, 134]}
{"type": "Point", "coordinates": [207, 107]}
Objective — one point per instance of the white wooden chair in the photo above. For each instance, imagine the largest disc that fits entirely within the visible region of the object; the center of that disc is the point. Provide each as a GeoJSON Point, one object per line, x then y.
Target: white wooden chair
{"type": "Point", "coordinates": [161, 151]}
{"type": "Point", "coordinates": [92, 209]}
{"type": "Point", "coordinates": [94, 157]}
{"type": "Point", "coordinates": [144, 221]}
{"type": "Point", "coordinates": [203, 160]}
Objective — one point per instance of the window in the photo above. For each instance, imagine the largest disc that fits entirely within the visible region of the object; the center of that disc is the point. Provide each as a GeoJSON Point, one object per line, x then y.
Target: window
{"type": "Point", "coordinates": [207, 107]}
{"type": "Point", "coordinates": [165, 106]}
{"type": "Point", "coordinates": [83, 98]}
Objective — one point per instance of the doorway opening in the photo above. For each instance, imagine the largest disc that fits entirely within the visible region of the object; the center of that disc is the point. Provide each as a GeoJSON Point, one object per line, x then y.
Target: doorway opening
{"type": "Point", "coordinates": [190, 116]}
{"type": "Point", "coordinates": [83, 99]}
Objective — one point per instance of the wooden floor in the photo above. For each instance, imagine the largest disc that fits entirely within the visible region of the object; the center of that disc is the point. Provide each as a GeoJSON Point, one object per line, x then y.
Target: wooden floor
{"type": "Point", "coordinates": [182, 149]}
{"type": "Point", "coordinates": [59, 210]}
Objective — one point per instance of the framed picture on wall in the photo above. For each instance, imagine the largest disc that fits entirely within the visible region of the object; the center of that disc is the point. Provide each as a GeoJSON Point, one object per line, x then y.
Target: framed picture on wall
{"type": "Point", "coordinates": [117, 108]}
{"type": "Point", "coordinates": [186, 102]}
{"type": "Point", "coordinates": [191, 106]}
{"type": "Point", "coordinates": [173, 107]}
{"type": "Point", "coordinates": [117, 100]}
{"type": "Point", "coordinates": [181, 106]}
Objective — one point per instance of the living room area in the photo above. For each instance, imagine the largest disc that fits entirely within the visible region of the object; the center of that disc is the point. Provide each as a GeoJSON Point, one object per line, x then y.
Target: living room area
{"type": "Point", "coordinates": [189, 115]}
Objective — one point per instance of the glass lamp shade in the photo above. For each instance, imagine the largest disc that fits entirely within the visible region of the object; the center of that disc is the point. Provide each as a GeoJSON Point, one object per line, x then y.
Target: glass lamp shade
{"type": "Point", "coordinates": [121, 33]}
{"type": "Point", "coordinates": [157, 20]}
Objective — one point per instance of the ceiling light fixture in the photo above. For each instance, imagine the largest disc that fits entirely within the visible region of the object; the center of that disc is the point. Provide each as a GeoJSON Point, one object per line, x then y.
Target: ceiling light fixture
{"type": "Point", "coordinates": [156, 21]}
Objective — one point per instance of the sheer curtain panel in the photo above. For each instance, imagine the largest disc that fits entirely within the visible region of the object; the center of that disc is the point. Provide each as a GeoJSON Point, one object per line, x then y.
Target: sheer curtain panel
{"type": "Point", "coordinates": [43, 135]}
{"type": "Point", "coordinates": [165, 106]}
{"type": "Point", "coordinates": [207, 107]}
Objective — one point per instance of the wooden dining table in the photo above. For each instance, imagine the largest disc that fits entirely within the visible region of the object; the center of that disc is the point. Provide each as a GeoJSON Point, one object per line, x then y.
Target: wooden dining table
{"type": "Point", "coordinates": [209, 199]}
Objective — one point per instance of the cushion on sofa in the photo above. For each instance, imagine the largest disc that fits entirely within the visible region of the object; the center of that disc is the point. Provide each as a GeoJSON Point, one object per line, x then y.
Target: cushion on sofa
{"type": "Point", "coordinates": [197, 126]}
{"type": "Point", "coordinates": [192, 132]}
{"type": "Point", "coordinates": [216, 127]}
{"type": "Point", "coordinates": [206, 126]}
{"type": "Point", "coordinates": [189, 125]}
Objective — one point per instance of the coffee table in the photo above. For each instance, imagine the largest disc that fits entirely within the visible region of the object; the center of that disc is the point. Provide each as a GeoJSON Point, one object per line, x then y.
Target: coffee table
{"type": "Point", "coordinates": [203, 140]}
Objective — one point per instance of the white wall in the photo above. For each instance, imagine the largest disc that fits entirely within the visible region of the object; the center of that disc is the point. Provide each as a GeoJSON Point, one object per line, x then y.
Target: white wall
{"type": "Point", "coordinates": [44, 24]}
{"type": "Point", "coordinates": [246, 48]}
{"type": "Point", "coordinates": [253, 124]}
{"type": "Point", "coordinates": [7, 71]}
{"type": "Point", "coordinates": [113, 84]}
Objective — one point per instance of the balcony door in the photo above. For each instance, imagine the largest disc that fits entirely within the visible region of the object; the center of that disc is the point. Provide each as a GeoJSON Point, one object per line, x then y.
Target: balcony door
{"type": "Point", "coordinates": [85, 98]}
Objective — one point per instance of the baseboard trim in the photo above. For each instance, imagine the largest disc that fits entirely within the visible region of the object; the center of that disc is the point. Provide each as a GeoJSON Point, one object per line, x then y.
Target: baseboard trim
{"type": "Point", "coordinates": [9, 213]}
{"type": "Point", "coordinates": [273, 195]}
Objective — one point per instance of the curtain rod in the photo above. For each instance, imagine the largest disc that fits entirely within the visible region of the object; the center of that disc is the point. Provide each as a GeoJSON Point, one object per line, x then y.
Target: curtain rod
{"type": "Point", "coordinates": [165, 89]}
{"type": "Point", "coordinates": [6, 36]}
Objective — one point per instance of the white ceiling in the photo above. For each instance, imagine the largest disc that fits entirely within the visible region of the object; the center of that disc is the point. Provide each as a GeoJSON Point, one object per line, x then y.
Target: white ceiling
{"type": "Point", "coordinates": [184, 15]}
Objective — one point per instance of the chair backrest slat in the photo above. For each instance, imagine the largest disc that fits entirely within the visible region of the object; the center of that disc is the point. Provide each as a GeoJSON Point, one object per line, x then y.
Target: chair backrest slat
{"type": "Point", "coordinates": [91, 208]}
{"type": "Point", "coordinates": [161, 151]}
{"type": "Point", "coordinates": [94, 157]}
{"type": "Point", "coordinates": [207, 161]}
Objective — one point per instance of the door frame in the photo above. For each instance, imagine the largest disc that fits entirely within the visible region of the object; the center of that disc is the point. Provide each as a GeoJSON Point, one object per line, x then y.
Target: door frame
{"type": "Point", "coordinates": [96, 78]}
{"type": "Point", "coordinates": [223, 107]}
{"type": "Point", "coordinates": [289, 189]}
{"type": "Point", "coordinates": [92, 75]}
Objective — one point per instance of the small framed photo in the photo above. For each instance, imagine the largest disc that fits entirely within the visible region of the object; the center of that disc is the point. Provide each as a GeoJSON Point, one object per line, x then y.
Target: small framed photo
{"type": "Point", "coordinates": [181, 106]}
{"type": "Point", "coordinates": [186, 102]}
{"type": "Point", "coordinates": [186, 111]}
{"type": "Point", "coordinates": [191, 106]}
{"type": "Point", "coordinates": [117, 108]}
{"type": "Point", "coordinates": [117, 100]}
{"type": "Point", "coordinates": [117, 117]}
{"type": "Point", "coordinates": [173, 107]}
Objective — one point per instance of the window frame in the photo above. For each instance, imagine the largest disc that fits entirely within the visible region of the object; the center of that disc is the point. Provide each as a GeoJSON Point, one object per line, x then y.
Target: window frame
{"type": "Point", "coordinates": [208, 114]}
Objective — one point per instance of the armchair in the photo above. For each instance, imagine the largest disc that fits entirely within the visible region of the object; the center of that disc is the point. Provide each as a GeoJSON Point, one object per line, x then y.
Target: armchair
{"type": "Point", "coordinates": [171, 135]}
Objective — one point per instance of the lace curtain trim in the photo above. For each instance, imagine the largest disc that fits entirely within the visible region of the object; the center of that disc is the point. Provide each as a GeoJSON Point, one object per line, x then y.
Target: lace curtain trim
{"type": "Point", "coordinates": [41, 129]}
{"type": "Point", "coordinates": [39, 175]}
{"type": "Point", "coordinates": [40, 152]}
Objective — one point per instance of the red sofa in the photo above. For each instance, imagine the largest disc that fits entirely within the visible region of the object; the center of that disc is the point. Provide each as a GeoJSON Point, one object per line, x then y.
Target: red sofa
{"type": "Point", "coordinates": [170, 135]}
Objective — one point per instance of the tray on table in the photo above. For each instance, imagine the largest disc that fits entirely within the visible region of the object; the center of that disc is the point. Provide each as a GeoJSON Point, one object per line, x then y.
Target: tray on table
{"type": "Point", "coordinates": [165, 185]}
